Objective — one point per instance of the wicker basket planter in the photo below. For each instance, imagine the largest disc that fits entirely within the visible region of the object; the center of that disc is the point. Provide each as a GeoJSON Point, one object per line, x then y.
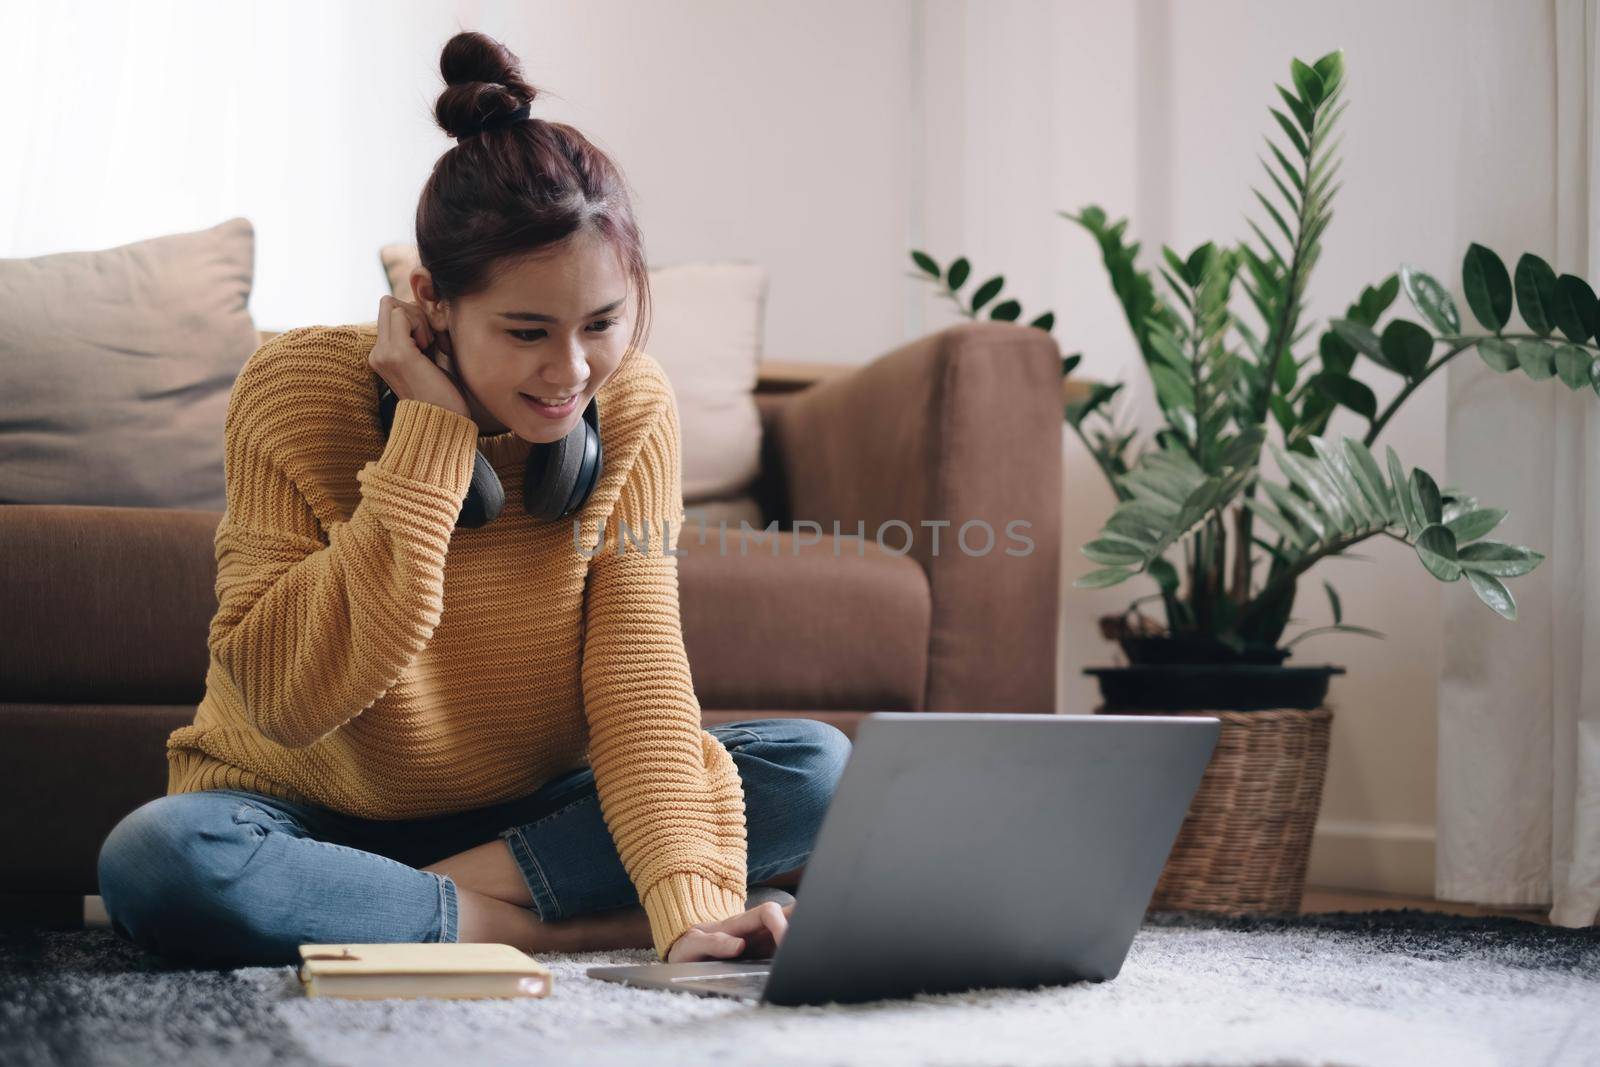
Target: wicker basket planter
{"type": "Point", "coordinates": [1246, 840]}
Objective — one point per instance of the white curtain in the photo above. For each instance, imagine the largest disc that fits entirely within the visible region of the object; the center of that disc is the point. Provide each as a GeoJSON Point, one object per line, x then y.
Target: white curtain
{"type": "Point", "coordinates": [1519, 702]}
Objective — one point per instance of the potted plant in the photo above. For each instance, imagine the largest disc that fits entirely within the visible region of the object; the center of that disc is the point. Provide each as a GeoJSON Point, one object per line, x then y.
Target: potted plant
{"type": "Point", "coordinates": [1222, 379]}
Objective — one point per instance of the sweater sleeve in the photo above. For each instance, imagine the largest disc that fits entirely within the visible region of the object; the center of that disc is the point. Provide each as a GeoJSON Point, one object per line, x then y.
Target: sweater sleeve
{"type": "Point", "coordinates": [313, 626]}
{"type": "Point", "coordinates": [669, 791]}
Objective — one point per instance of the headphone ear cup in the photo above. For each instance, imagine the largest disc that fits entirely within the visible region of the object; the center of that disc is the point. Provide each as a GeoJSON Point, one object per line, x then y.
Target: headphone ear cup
{"type": "Point", "coordinates": [560, 475]}
{"type": "Point", "coordinates": [485, 498]}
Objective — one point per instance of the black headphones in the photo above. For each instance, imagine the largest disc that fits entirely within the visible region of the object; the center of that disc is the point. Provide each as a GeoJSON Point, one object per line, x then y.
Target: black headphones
{"type": "Point", "coordinates": [559, 476]}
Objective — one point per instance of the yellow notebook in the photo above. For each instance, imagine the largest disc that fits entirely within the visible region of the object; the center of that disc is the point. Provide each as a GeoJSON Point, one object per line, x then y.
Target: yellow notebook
{"type": "Point", "coordinates": [422, 969]}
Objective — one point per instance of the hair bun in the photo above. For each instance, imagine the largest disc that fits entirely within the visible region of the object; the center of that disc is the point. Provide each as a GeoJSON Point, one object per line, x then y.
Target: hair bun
{"type": "Point", "coordinates": [483, 85]}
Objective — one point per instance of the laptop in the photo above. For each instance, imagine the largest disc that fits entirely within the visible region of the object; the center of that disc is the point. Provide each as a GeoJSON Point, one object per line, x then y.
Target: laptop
{"type": "Point", "coordinates": [973, 850]}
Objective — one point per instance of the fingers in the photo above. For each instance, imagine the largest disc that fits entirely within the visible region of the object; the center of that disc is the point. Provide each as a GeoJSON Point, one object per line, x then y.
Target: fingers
{"type": "Point", "coordinates": [725, 944]}
{"type": "Point", "coordinates": [413, 321]}
{"type": "Point", "coordinates": [775, 918]}
{"type": "Point", "coordinates": [762, 927]}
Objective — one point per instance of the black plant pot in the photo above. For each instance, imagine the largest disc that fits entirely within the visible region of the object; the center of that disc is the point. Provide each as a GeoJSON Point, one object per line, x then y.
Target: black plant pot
{"type": "Point", "coordinates": [1211, 686]}
{"type": "Point", "coordinates": [1197, 648]}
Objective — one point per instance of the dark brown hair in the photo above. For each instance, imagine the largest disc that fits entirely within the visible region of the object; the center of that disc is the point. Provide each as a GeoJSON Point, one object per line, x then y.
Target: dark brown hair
{"type": "Point", "coordinates": [511, 192]}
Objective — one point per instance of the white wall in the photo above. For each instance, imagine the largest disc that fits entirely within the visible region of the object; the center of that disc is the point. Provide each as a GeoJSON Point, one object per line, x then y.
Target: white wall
{"type": "Point", "coordinates": [775, 133]}
{"type": "Point", "coordinates": [824, 140]}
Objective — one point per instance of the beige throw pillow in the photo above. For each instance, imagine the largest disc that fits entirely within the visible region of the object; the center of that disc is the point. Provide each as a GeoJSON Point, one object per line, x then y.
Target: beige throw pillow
{"type": "Point", "coordinates": [706, 329]}
{"type": "Point", "coordinates": [116, 366]}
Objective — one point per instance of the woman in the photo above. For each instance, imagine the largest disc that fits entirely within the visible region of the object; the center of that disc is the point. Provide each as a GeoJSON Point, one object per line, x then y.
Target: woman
{"type": "Point", "coordinates": [419, 731]}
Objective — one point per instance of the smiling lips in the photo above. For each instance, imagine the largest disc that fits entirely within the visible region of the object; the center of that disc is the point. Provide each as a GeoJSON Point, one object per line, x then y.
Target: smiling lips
{"type": "Point", "coordinates": [552, 410]}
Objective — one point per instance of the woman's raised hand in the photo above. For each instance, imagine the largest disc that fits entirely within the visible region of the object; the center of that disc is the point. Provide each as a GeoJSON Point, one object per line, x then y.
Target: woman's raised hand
{"type": "Point", "coordinates": [752, 934]}
{"type": "Point", "coordinates": [400, 357]}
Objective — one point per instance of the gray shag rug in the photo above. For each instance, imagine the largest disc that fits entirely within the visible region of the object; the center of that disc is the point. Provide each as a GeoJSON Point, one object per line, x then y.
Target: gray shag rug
{"type": "Point", "coordinates": [1374, 988]}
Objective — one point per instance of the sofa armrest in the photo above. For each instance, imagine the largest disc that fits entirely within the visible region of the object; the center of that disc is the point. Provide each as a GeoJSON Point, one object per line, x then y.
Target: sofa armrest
{"type": "Point", "coordinates": [962, 427]}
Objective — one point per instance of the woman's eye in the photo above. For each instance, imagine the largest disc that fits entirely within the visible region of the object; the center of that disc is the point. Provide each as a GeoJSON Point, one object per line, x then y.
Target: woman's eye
{"type": "Point", "coordinates": [604, 324]}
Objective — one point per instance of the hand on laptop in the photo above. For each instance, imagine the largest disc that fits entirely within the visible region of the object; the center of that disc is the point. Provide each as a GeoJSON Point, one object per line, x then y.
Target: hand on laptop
{"type": "Point", "coordinates": [753, 934]}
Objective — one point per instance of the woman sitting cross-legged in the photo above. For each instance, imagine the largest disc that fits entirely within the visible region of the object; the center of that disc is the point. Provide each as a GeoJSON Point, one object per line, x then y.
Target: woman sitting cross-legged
{"type": "Point", "coordinates": [435, 715]}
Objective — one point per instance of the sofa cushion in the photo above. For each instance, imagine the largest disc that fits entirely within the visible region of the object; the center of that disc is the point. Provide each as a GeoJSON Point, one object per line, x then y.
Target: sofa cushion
{"type": "Point", "coordinates": [116, 366]}
{"type": "Point", "coordinates": [780, 624]}
{"type": "Point", "coordinates": [118, 617]}
{"type": "Point", "coordinates": [785, 624]}
{"type": "Point", "coordinates": [706, 324]}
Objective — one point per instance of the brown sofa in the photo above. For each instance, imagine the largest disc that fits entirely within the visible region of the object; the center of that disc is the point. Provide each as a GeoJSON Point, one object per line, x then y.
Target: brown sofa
{"type": "Point", "coordinates": [105, 610]}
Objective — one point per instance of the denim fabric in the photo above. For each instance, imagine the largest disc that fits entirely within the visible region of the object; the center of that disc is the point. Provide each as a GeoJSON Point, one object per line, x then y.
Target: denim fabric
{"type": "Point", "coordinates": [238, 877]}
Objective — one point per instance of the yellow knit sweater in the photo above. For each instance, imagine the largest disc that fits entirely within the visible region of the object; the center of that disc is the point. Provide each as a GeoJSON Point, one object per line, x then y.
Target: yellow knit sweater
{"type": "Point", "coordinates": [368, 656]}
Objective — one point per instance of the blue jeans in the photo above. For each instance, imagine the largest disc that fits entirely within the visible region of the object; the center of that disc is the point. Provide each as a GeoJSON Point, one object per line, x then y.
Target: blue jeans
{"type": "Point", "coordinates": [238, 877]}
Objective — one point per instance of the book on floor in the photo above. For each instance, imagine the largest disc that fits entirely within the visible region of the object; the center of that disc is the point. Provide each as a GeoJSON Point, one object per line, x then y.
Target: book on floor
{"type": "Point", "coordinates": [424, 969]}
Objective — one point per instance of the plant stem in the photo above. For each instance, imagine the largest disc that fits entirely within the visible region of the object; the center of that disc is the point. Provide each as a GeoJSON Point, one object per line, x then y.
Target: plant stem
{"type": "Point", "coordinates": [1410, 387]}
{"type": "Point", "coordinates": [1305, 563]}
{"type": "Point", "coordinates": [1279, 340]}
{"type": "Point", "coordinates": [1111, 479]}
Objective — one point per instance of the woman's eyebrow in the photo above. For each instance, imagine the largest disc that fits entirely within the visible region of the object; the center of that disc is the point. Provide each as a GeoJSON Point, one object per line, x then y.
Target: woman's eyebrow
{"type": "Point", "coordinates": [534, 316]}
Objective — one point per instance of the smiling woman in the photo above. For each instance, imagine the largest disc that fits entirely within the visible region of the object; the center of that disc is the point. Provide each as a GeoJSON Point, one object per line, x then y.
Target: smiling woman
{"type": "Point", "coordinates": [500, 730]}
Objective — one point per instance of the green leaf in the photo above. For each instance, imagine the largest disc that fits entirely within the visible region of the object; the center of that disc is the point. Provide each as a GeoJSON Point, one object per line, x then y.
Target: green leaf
{"type": "Point", "coordinates": [1243, 449]}
{"type": "Point", "coordinates": [1370, 478]}
{"type": "Point", "coordinates": [1330, 68]}
{"type": "Point", "coordinates": [1387, 290]}
{"type": "Point", "coordinates": [1176, 263]}
{"type": "Point", "coordinates": [926, 262]}
{"type": "Point", "coordinates": [1079, 410]}
{"type": "Point", "coordinates": [1574, 308]}
{"type": "Point", "coordinates": [1102, 578]}
{"type": "Point", "coordinates": [1363, 630]}
{"type": "Point", "coordinates": [1165, 574]}
{"type": "Point", "coordinates": [1425, 497]}
{"type": "Point", "coordinates": [1431, 299]}
{"type": "Point", "coordinates": [1436, 547]}
{"type": "Point", "coordinates": [1492, 591]}
{"type": "Point", "coordinates": [1165, 345]}
{"type": "Point", "coordinates": [1045, 321]}
{"type": "Point", "coordinates": [1576, 292]}
{"type": "Point", "coordinates": [1308, 81]}
{"type": "Point", "coordinates": [1302, 510]}
{"type": "Point", "coordinates": [987, 291]}
{"type": "Point", "coordinates": [1363, 340]}
{"type": "Point", "coordinates": [1537, 359]}
{"type": "Point", "coordinates": [1174, 389]}
{"type": "Point", "coordinates": [1572, 363]}
{"type": "Point", "coordinates": [1500, 355]}
{"type": "Point", "coordinates": [1342, 389]}
{"type": "Point", "coordinates": [1108, 550]}
{"type": "Point", "coordinates": [1005, 311]}
{"type": "Point", "coordinates": [1301, 112]}
{"type": "Point", "coordinates": [1289, 130]}
{"type": "Point", "coordinates": [1195, 266]}
{"type": "Point", "coordinates": [1283, 411]}
{"type": "Point", "coordinates": [1402, 494]}
{"type": "Point", "coordinates": [1333, 598]}
{"type": "Point", "coordinates": [1366, 512]}
{"type": "Point", "coordinates": [1475, 523]}
{"type": "Point", "coordinates": [1407, 346]}
{"type": "Point", "coordinates": [1536, 293]}
{"type": "Point", "coordinates": [1296, 537]}
{"type": "Point", "coordinates": [1499, 559]}
{"type": "Point", "coordinates": [956, 276]}
{"type": "Point", "coordinates": [1488, 287]}
{"type": "Point", "coordinates": [1068, 363]}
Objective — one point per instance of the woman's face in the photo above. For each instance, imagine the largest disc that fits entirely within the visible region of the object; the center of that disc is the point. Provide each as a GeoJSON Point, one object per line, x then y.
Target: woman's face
{"type": "Point", "coordinates": [549, 327]}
